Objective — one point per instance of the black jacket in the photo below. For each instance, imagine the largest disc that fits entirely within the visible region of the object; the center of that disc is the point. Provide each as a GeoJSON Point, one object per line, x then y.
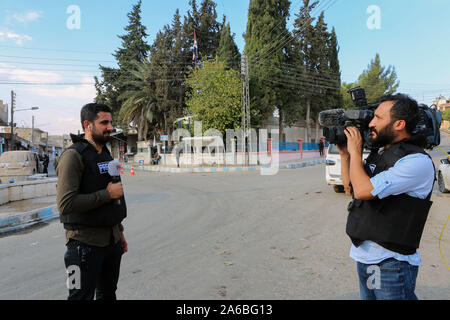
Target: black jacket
{"type": "Point", "coordinates": [95, 177]}
{"type": "Point", "coordinates": [396, 222]}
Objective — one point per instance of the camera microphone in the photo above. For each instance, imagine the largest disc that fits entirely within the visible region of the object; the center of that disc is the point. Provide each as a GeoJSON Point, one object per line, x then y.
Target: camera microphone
{"type": "Point", "coordinates": [114, 169]}
{"type": "Point", "coordinates": [332, 118]}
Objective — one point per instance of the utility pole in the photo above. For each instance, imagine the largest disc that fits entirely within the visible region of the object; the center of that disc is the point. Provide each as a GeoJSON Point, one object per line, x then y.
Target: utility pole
{"type": "Point", "coordinates": [32, 131]}
{"type": "Point", "coordinates": [245, 107]}
{"type": "Point", "coordinates": [13, 102]}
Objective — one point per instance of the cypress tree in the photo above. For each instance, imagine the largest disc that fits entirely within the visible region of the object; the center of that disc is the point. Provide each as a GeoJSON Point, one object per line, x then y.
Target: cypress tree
{"type": "Point", "coordinates": [207, 29]}
{"type": "Point", "coordinates": [335, 69]}
{"type": "Point", "coordinates": [228, 51]}
{"type": "Point", "coordinates": [134, 49]}
{"type": "Point", "coordinates": [266, 29]}
{"type": "Point", "coordinates": [311, 45]}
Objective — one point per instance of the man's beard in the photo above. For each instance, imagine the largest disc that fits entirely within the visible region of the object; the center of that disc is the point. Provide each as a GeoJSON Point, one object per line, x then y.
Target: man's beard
{"type": "Point", "coordinates": [384, 137]}
{"type": "Point", "coordinates": [100, 138]}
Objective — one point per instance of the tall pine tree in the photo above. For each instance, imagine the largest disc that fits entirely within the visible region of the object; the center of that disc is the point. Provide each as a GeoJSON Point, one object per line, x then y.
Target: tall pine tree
{"type": "Point", "coordinates": [203, 21]}
{"type": "Point", "coordinates": [266, 29]}
{"type": "Point", "coordinates": [378, 80]}
{"type": "Point", "coordinates": [317, 52]}
{"type": "Point", "coordinates": [134, 48]}
{"type": "Point", "coordinates": [228, 51]}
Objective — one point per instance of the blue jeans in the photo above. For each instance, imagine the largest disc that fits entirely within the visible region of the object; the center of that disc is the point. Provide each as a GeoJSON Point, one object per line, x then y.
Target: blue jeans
{"type": "Point", "coordinates": [388, 280]}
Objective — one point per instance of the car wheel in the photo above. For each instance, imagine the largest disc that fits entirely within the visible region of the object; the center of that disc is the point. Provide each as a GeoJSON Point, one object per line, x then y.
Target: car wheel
{"type": "Point", "coordinates": [338, 189]}
{"type": "Point", "coordinates": [441, 183]}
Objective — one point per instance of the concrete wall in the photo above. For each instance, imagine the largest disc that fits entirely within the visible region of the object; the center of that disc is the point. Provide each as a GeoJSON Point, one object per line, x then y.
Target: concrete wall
{"type": "Point", "coordinates": [27, 190]}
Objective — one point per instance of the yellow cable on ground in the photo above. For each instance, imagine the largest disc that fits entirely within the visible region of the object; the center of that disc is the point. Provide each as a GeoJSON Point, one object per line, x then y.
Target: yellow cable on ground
{"type": "Point", "coordinates": [442, 255]}
{"type": "Point", "coordinates": [442, 233]}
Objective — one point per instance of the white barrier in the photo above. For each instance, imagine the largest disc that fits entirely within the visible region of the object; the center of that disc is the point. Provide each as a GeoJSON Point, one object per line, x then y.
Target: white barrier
{"type": "Point", "coordinates": [27, 190]}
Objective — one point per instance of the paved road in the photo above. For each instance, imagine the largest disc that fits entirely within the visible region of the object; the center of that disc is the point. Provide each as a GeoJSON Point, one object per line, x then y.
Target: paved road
{"type": "Point", "coordinates": [225, 236]}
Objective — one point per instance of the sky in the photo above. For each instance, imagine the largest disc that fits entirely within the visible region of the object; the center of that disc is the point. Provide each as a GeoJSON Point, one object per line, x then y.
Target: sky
{"type": "Point", "coordinates": [50, 50]}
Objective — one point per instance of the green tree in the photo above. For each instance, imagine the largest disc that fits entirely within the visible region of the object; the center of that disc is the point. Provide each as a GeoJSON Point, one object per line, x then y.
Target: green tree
{"type": "Point", "coordinates": [215, 96]}
{"type": "Point", "coordinates": [378, 80]}
{"type": "Point", "coordinates": [347, 102]}
{"type": "Point", "coordinates": [107, 92]}
{"type": "Point", "coordinates": [228, 51]}
{"type": "Point", "coordinates": [202, 21]}
{"type": "Point", "coordinates": [167, 75]}
{"type": "Point", "coordinates": [311, 48]}
{"type": "Point", "coordinates": [138, 104]}
{"type": "Point", "coordinates": [446, 115]}
{"type": "Point", "coordinates": [336, 97]}
{"type": "Point", "coordinates": [134, 48]}
{"type": "Point", "coordinates": [266, 27]}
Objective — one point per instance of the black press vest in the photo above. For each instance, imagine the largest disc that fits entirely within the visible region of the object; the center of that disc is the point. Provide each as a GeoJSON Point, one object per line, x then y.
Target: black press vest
{"type": "Point", "coordinates": [95, 177]}
{"type": "Point", "coordinates": [396, 222]}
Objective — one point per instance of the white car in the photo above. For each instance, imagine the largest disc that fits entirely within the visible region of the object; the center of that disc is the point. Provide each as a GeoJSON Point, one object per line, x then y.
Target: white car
{"type": "Point", "coordinates": [444, 175]}
{"type": "Point", "coordinates": [333, 168]}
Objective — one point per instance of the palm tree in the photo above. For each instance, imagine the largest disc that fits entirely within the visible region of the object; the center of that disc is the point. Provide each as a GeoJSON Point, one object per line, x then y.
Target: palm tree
{"type": "Point", "coordinates": [138, 105]}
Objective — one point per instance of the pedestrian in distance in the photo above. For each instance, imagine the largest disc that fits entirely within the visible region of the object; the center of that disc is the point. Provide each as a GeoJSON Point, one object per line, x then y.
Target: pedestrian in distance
{"type": "Point", "coordinates": [92, 218]}
{"type": "Point", "coordinates": [177, 151]}
{"type": "Point", "coordinates": [46, 161]}
{"type": "Point", "coordinates": [391, 200]}
{"type": "Point", "coordinates": [55, 161]}
{"type": "Point", "coordinates": [321, 147]}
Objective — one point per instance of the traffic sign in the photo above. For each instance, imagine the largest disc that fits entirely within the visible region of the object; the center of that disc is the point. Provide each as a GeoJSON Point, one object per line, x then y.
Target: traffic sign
{"type": "Point", "coordinates": [164, 138]}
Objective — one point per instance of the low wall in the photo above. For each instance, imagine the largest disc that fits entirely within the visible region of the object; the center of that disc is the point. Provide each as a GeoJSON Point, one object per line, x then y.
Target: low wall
{"type": "Point", "coordinates": [256, 158]}
{"type": "Point", "coordinates": [27, 190]}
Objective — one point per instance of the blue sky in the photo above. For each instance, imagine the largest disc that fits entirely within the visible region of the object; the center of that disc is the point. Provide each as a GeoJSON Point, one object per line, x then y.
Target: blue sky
{"type": "Point", "coordinates": [36, 46]}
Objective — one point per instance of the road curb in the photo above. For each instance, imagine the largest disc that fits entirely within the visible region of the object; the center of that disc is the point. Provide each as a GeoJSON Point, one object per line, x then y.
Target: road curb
{"type": "Point", "coordinates": [27, 219]}
{"type": "Point", "coordinates": [223, 169]}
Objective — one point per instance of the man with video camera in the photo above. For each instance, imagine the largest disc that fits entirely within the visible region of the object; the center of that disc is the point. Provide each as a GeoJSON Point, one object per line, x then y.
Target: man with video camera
{"type": "Point", "coordinates": [391, 199]}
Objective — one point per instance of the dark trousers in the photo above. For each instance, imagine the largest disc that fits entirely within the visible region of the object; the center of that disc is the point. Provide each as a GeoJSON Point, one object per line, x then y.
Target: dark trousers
{"type": "Point", "coordinates": [99, 270]}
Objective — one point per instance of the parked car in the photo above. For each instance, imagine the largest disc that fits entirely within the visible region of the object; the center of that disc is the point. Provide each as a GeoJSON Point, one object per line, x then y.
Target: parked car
{"type": "Point", "coordinates": [18, 165]}
{"type": "Point", "coordinates": [333, 168]}
{"type": "Point", "coordinates": [444, 175]}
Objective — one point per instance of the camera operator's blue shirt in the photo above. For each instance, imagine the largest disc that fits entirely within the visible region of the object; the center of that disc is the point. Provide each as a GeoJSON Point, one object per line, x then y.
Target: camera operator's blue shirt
{"type": "Point", "coordinates": [413, 175]}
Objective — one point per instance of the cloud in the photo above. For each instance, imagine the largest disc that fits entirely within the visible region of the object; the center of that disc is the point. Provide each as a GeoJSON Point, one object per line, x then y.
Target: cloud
{"type": "Point", "coordinates": [85, 91]}
{"type": "Point", "coordinates": [25, 17]}
{"type": "Point", "coordinates": [23, 75]}
{"type": "Point", "coordinates": [17, 38]}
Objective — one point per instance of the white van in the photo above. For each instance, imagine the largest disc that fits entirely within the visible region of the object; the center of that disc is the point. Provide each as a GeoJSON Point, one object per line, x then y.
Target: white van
{"type": "Point", "coordinates": [333, 168]}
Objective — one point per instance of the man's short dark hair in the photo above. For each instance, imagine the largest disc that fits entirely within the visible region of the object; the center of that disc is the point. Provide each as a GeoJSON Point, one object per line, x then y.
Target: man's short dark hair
{"type": "Point", "coordinates": [90, 112]}
{"type": "Point", "coordinates": [405, 108]}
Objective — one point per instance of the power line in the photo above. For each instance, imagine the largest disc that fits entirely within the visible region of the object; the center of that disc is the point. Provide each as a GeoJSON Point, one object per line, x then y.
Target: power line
{"type": "Point", "coordinates": [288, 37]}
{"type": "Point", "coordinates": [58, 59]}
{"type": "Point", "coordinates": [277, 43]}
{"type": "Point", "coordinates": [55, 50]}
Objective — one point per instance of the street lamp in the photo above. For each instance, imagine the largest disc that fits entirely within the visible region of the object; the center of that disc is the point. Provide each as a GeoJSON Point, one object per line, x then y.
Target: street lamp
{"type": "Point", "coordinates": [12, 120]}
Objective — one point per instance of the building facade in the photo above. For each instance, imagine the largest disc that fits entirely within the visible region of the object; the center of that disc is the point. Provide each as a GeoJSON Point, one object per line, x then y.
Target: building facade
{"type": "Point", "coordinates": [3, 114]}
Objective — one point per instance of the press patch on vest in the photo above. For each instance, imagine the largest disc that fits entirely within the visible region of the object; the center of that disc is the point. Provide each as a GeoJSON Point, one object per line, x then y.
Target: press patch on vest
{"type": "Point", "coordinates": [103, 167]}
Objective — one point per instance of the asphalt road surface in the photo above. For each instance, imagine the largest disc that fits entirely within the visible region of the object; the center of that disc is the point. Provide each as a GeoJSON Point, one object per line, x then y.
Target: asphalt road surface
{"type": "Point", "coordinates": [225, 236]}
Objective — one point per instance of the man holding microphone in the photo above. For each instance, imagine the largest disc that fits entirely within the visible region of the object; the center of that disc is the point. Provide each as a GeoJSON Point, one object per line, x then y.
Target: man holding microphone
{"type": "Point", "coordinates": [92, 218]}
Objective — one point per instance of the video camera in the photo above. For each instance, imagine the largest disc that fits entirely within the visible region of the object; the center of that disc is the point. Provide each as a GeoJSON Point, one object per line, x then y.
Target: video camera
{"type": "Point", "coordinates": [337, 120]}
